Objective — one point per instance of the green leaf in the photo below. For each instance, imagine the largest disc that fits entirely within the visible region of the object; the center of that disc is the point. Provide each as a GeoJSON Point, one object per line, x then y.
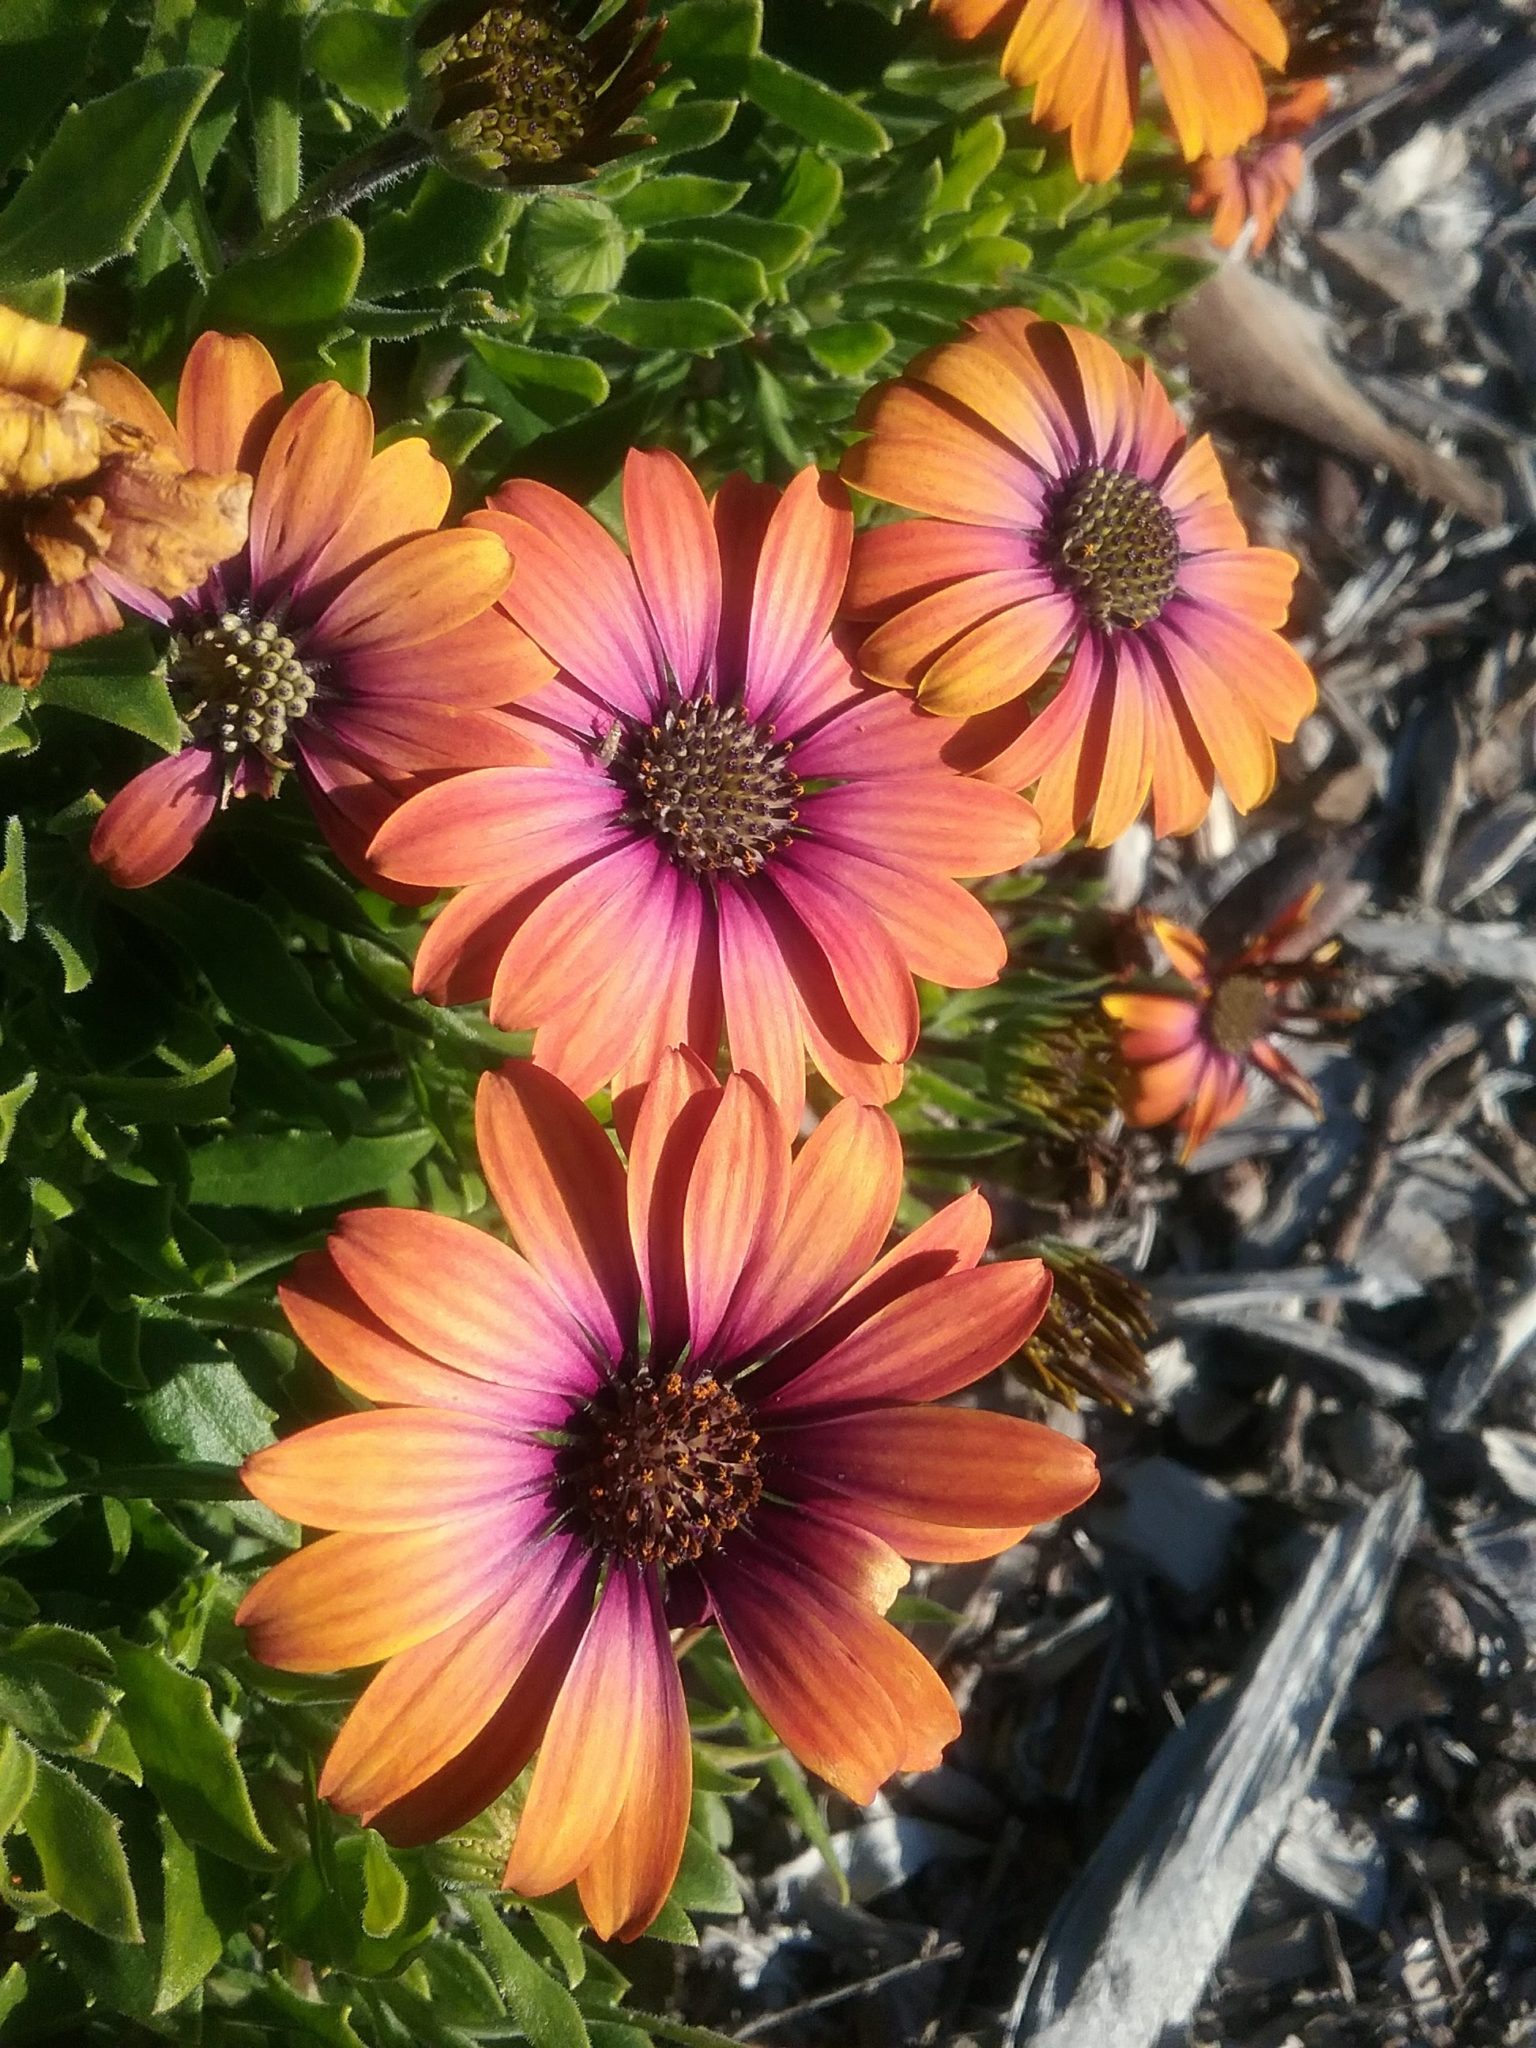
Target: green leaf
{"type": "Point", "coordinates": [92, 188]}
{"type": "Point", "coordinates": [138, 703]}
{"type": "Point", "coordinates": [705, 1883]}
{"type": "Point", "coordinates": [274, 79]}
{"type": "Point", "coordinates": [543, 2008]}
{"type": "Point", "coordinates": [301, 1169]}
{"type": "Point", "coordinates": [812, 193]}
{"type": "Point", "coordinates": [564, 1941]}
{"type": "Point", "coordinates": [571, 243]}
{"type": "Point", "coordinates": [977, 152]}
{"type": "Point", "coordinates": [190, 1941]}
{"type": "Point", "coordinates": [13, 889]}
{"type": "Point", "coordinates": [687, 125]}
{"type": "Point", "coordinates": [207, 1413]}
{"type": "Point", "coordinates": [814, 110]}
{"type": "Point", "coordinates": [305, 2019]}
{"type": "Point", "coordinates": [775, 244]}
{"type": "Point", "coordinates": [18, 1775]}
{"type": "Point", "coordinates": [850, 348]}
{"type": "Point", "coordinates": [678, 197]}
{"type": "Point", "coordinates": [363, 55]}
{"type": "Point", "coordinates": [41, 298]}
{"type": "Point", "coordinates": [189, 1762]}
{"type": "Point", "coordinates": [85, 1872]}
{"type": "Point", "coordinates": [553, 388]}
{"type": "Point", "coordinates": [448, 228]}
{"type": "Point", "coordinates": [675, 268]}
{"type": "Point", "coordinates": [306, 282]}
{"type": "Point", "coordinates": [711, 41]}
{"type": "Point", "coordinates": [21, 1517]}
{"type": "Point", "coordinates": [199, 1096]}
{"type": "Point", "coordinates": [698, 326]}
{"type": "Point", "coordinates": [243, 955]}
{"type": "Point", "coordinates": [323, 1910]}
{"type": "Point", "coordinates": [13, 1989]}
{"type": "Point", "coordinates": [385, 1891]}
{"type": "Point", "coordinates": [52, 1703]}
{"type": "Point", "coordinates": [45, 50]}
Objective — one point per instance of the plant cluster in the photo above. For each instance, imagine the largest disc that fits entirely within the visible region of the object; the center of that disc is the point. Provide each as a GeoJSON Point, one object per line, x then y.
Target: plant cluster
{"type": "Point", "coordinates": [557, 572]}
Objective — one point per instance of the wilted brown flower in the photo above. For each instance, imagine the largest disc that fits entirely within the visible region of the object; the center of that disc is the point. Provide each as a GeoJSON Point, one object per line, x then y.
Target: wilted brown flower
{"type": "Point", "coordinates": [89, 501]}
{"type": "Point", "coordinates": [527, 92]}
{"type": "Point", "coordinates": [1091, 1338]}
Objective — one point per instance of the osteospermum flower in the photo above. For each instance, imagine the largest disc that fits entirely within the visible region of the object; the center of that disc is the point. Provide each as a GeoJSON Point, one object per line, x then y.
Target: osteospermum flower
{"type": "Point", "coordinates": [1068, 513]}
{"type": "Point", "coordinates": [1259, 182]}
{"type": "Point", "coordinates": [732, 834]}
{"type": "Point", "coordinates": [88, 503]}
{"type": "Point", "coordinates": [1084, 59]}
{"type": "Point", "coordinates": [1187, 1057]}
{"type": "Point", "coordinates": [342, 642]}
{"type": "Point", "coordinates": [528, 92]}
{"type": "Point", "coordinates": [684, 1400]}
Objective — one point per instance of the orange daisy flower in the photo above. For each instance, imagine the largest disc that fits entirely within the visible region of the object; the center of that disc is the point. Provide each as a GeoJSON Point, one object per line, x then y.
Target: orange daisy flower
{"type": "Point", "coordinates": [1259, 182]}
{"type": "Point", "coordinates": [1084, 59]}
{"type": "Point", "coordinates": [1067, 512]}
{"type": "Point", "coordinates": [682, 1401]}
{"type": "Point", "coordinates": [344, 641]}
{"type": "Point", "coordinates": [89, 503]}
{"type": "Point", "coordinates": [732, 835]}
{"type": "Point", "coordinates": [1187, 1056]}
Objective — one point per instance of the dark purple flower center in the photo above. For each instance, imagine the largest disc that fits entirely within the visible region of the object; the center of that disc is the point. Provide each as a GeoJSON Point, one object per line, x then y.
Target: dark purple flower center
{"type": "Point", "coordinates": [714, 789]}
{"type": "Point", "coordinates": [238, 683]}
{"type": "Point", "coordinates": [1116, 545]}
{"type": "Point", "coordinates": [661, 1468]}
{"type": "Point", "coordinates": [1238, 1012]}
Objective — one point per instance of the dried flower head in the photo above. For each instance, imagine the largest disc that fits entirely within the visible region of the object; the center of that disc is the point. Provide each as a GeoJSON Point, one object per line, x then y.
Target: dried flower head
{"type": "Point", "coordinates": [89, 502]}
{"type": "Point", "coordinates": [1059, 1062]}
{"type": "Point", "coordinates": [529, 92]}
{"type": "Point", "coordinates": [1329, 36]}
{"type": "Point", "coordinates": [1092, 1337]}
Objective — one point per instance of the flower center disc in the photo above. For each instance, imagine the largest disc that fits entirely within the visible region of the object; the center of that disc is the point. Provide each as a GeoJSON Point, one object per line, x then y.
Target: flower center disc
{"type": "Point", "coordinates": [1238, 1012]}
{"type": "Point", "coordinates": [1117, 545]}
{"type": "Point", "coordinates": [241, 684]}
{"type": "Point", "coordinates": [531, 78]}
{"type": "Point", "coordinates": [711, 786]}
{"type": "Point", "coordinates": [662, 1470]}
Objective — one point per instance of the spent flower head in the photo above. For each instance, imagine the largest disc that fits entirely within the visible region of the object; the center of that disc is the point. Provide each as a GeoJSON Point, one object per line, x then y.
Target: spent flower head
{"type": "Point", "coordinates": [89, 503]}
{"type": "Point", "coordinates": [1092, 1337]}
{"type": "Point", "coordinates": [513, 93]}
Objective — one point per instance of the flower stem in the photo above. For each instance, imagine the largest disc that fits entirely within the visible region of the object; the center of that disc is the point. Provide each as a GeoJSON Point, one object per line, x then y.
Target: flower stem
{"type": "Point", "coordinates": [390, 156]}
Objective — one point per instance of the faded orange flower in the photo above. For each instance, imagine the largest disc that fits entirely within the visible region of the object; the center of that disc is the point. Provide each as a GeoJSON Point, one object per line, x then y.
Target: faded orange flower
{"type": "Point", "coordinates": [1084, 59]}
{"type": "Point", "coordinates": [1187, 1056]}
{"type": "Point", "coordinates": [1068, 513]}
{"type": "Point", "coordinates": [686, 1399]}
{"type": "Point", "coordinates": [1259, 182]}
{"type": "Point", "coordinates": [89, 503]}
